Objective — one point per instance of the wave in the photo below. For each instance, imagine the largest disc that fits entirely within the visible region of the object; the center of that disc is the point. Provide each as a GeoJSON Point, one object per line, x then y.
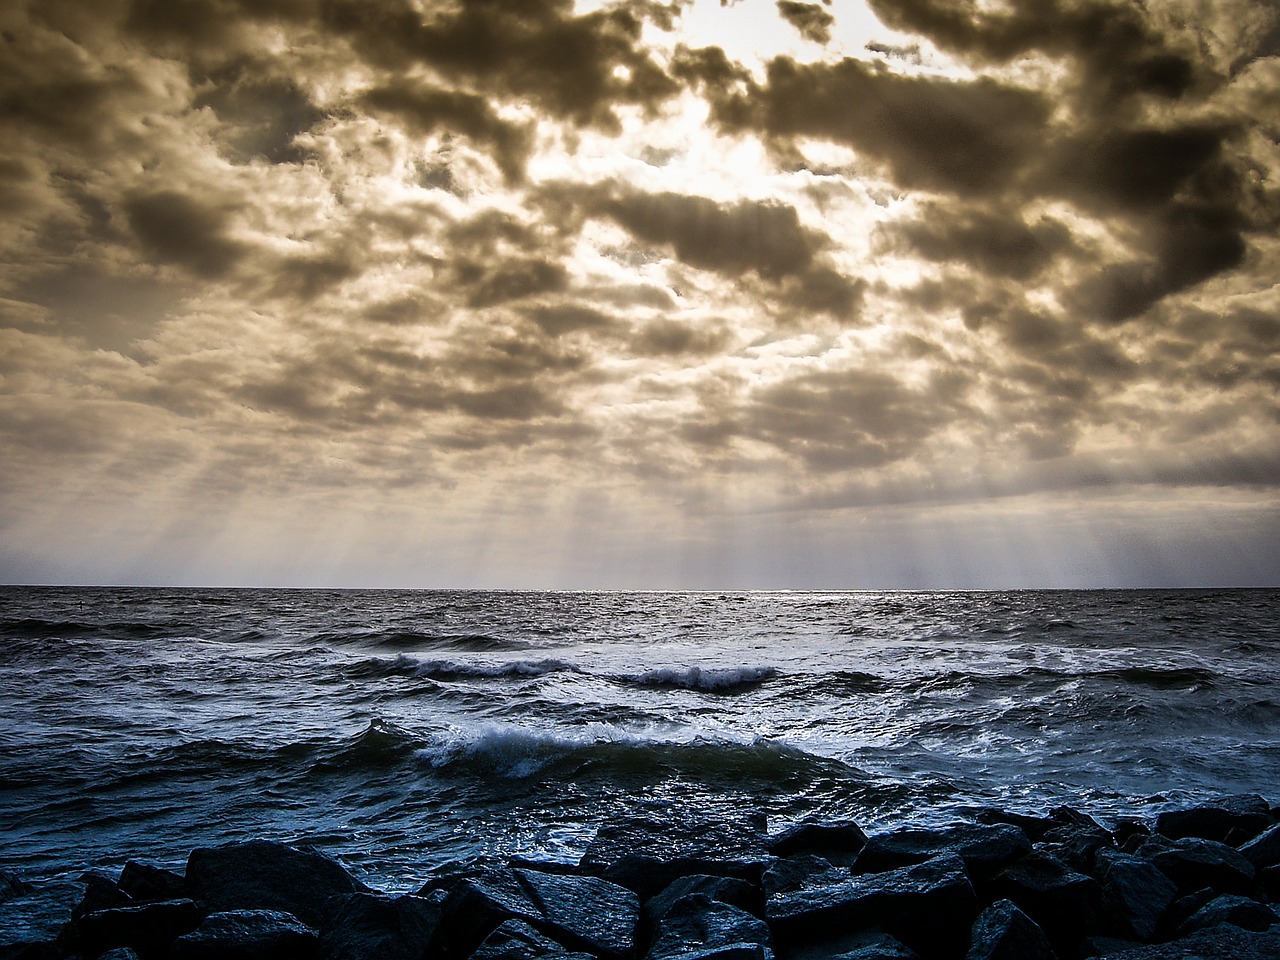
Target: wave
{"type": "Point", "coordinates": [705, 679]}
{"type": "Point", "coordinates": [401, 639]}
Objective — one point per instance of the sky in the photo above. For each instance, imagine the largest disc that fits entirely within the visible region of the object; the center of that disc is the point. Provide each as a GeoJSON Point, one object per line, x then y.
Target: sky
{"type": "Point", "coordinates": [640, 294]}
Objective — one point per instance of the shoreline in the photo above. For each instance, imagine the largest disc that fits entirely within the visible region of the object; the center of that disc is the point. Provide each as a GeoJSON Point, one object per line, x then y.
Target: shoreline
{"type": "Point", "coordinates": [1201, 880]}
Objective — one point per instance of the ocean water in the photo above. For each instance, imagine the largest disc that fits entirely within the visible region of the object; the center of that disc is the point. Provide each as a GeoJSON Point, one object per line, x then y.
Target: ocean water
{"type": "Point", "coordinates": [410, 732]}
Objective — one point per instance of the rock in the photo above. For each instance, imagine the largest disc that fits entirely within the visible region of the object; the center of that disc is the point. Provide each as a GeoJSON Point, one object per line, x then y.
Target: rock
{"type": "Point", "coordinates": [794, 873]}
{"type": "Point", "coordinates": [516, 940]}
{"type": "Point", "coordinates": [985, 849]}
{"type": "Point", "coordinates": [1269, 884]}
{"type": "Point", "coordinates": [1194, 863]}
{"type": "Point", "coordinates": [1230, 908]}
{"type": "Point", "coordinates": [697, 927]}
{"type": "Point", "coordinates": [12, 885]}
{"type": "Point", "coordinates": [119, 953]}
{"type": "Point", "coordinates": [1244, 816]}
{"type": "Point", "coordinates": [829, 906]}
{"type": "Point", "coordinates": [1182, 908]}
{"type": "Point", "coordinates": [873, 944]}
{"type": "Point", "coordinates": [247, 935]}
{"type": "Point", "coordinates": [1136, 890]}
{"type": "Point", "coordinates": [266, 875]}
{"type": "Point", "coordinates": [369, 926]}
{"type": "Point", "coordinates": [31, 920]}
{"type": "Point", "coordinates": [584, 913]}
{"type": "Point", "coordinates": [145, 881]}
{"type": "Point", "coordinates": [1263, 850]}
{"type": "Point", "coordinates": [647, 855]}
{"type": "Point", "coordinates": [1067, 905]}
{"type": "Point", "coordinates": [1223, 942]}
{"type": "Point", "coordinates": [1033, 827]}
{"type": "Point", "coordinates": [1003, 932]}
{"type": "Point", "coordinates": [148, 928]}
{"type": "Point", "coordinates": [100, 893]}
{"type": "Point", "coordinates": [837, 842]}
{"type": "Point", "coordinates": [1076, 845]}
{"type": "Point", "coordinates": [737, 893]}
{"type": "Point", "coordinates": [1126, 828]}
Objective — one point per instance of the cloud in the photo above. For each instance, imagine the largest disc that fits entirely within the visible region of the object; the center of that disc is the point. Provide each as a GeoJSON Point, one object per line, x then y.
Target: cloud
{"type": "Point", "coordinates": [994, 242]}
{"type": "Point", "coordinates": [813, 22]}
{"type": "Point", "coordinates": [178, 229]}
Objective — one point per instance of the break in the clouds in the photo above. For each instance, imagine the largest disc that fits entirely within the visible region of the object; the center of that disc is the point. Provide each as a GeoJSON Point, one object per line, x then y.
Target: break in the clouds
{"type": "Point", "coordinates": [640, 293]}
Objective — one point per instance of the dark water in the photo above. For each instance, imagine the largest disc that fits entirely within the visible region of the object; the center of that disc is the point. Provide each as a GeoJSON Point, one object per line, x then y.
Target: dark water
{"type": "Point", "coordinates": [403, 731]}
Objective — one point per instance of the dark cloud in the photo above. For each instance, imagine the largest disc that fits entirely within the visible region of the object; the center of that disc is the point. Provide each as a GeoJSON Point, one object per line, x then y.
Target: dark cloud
{"type": "Point", "coordinates": [261, 115]}
{"type": "Point", "coordinates": [994, 242]}
{"type": "Point", "coordinates": [966, 137]}
{"type": "Point", "coordinates": [664, 337]}
{"type": "Point", "coordinates": [176, 228]}
{"type": "Point", "coordinates": [813, 22]}
{"type": "Point", "coordinates": [427, 109]}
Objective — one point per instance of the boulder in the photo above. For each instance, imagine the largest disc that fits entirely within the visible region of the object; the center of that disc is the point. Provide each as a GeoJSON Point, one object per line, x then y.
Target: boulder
{"type": "Point", "coordinates": [1003, 932]}
{"type": "Point", "coordinates": [1223, 942]}
{"type": "Point", "coordinates": [1066, 904]}
{"type": "Point", "coordinates": [1263, 850]}
{"type": "Point", "coordinates": [267, 875]}
{"type": "Point", "coordinates": [12, 885]}
{"type": "Point", "coordinates": [1230, 818]}
{"type": "Point", "coordinates": [145, 881]}
{"type": "Point", "coordinates": [1136, 892]}
{"type": "Point", "coordinates": [516, 940]}
{"type": "Point", "coordinates": [584, 913]}
{"type": "Point", "coordinates": [247, 935]}
{"type": "Point", "coordinates": [1193, 863]}
{"type": "Point", "coordinates": [1034, 827]}
{"type": "Point", "coordinates": [924, 905]}
{"type": "Point", "coordinates": [697, 927]}
{"type": "Point", "coordinates": [794, 873]}
{"type": "Point", "coordinates": [985, 849]}
{"type": "Point", "coordinates": [100, 893]}
{"type": "Point", "coordinates": [873, 944]}
{"type": "Point", "coordinates": [369, 926]}
{"type": "Point", "coordinates": [738, 893]}
{"type": "Point", "coordinates": [648, 855]}
{"type": "Point", "coordinates": [836, 842]}
{"type": "Point", "coordinates": [34, 916]}
{"type": "Point", "coordinates": [148, 928]}
{"type": "Point", "coordinates": [119, 953]}
{"type": "Point", "coordinates": [1230, 908]}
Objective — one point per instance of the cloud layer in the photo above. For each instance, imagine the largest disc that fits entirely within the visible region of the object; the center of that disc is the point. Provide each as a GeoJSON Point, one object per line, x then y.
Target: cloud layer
{"type": "Point", "coordinates": [486, 280]}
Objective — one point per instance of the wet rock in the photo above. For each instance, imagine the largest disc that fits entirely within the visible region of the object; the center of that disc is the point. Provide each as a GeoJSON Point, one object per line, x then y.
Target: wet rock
{"type": "Point", "coordinates": [873, 944]}
{"type": "Point", "coordinates": [266, 875]}
{"type": "Point", "coordinates": [1126, 829]}
{"type": "Point", "coordinates": [794, 873]}
{"type": "Point", "coordinates": [516, 940]}
{"type": "Point", "coordinates": [247, 935]}
{"type": "Point", "coordinates": [1067, 904]}
{"type": "Point", "coordinates": [985, 849]}
{"type": "Point", "coordinates": [737, 893]}
{"type": "Point", "coordinates": [368, 926]}
{"type": "Point", "coordinates": [648, 855]}
{"type": "Point", "coordinates": [1138, 893]}
{"type": "Point", "coordinates": [836, 842]}
{"type": "Point", "coordinates": [1269, 884]}
{"type": "Point", "coordinates": [31, 920]}
{"type": "Point", "coordinates": [1238, 817]}
{"type": "Point", "coordinates": [100, 893]}
{"type": "Point", "coordinates": [1223, 942]}
{"type": "Point", "coordinates": [148, 928]}
{"type": "Point", "coordinates": [1194, 863]}
{"type": "Point", "coordinates": [1034, 827]}
{"type": "Point", "coordinates": [830, 906]}
{"type": "Point", "coordinates": [1230, 908]}
{"type": "Point", "coordinates": [12, 885]}
{"type": "Point", "coordinates": [1003, 932]}
{"type": "Point", "coordinates": [697, 927]}
{"type": "Point", "coordinates": [145, 881]}
{"type": "Point", "coordinates": [585, 913]}
{"type": "Point", "coordinates": [1263, 850]}
{"type": "Point", "coordinates": [1182, 908]}
{"type": "Point", "coordinates": [119, 953]}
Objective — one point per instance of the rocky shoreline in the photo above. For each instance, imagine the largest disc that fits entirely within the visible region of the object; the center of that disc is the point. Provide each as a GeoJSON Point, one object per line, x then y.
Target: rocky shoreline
{"type": "Point", "coordinates": [1198, 882]}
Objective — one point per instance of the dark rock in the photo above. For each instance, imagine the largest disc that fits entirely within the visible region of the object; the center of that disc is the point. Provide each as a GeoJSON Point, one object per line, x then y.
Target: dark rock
{"type": "Point", "coordinates": [1100, 946]}
{"type": "Point", "coordinates": [873, 944]}
{"type": "Point", "coordinates": [149, 928]}
{"type": "Point", "coordinates": [1003, 932]}
{"type": "Point", "coordinates": [100, 893]}
{"type": "Point", "coordinates": [985, 849]}
{"type": "Point", "coordinates": [1269, 884]}
{"type": "Point", "coordinates": [247, 935]}
{"type": "Point", "coordinates": [1194, 863]}
{"type": "Point", "coordinates": [1223, 942]}
{"type": "Point", "coordinates": [794, 873]}
{"type": "Point", "coordinates": [266, 875]}
{"type": "Point", "coordinates": [145, 881]}
{"type": "Point", "coordinates": [12, 885]}
{"type": "Point", "coordinates": [1126, 828]}
{"type": "Point", "coordinates": [31, 921]}
{"type": "Point", "coordinates": [1067, 905]}
{"type": "Point", "coordinates": [830, 907]}
{"type": "Point", "coordinates": [697, 927]}
{"type": "Point", "coordinates": [518, 862]}
{"type": "Point", "coordinates": [1033, 827]}
{"type": "Point", "coordinates": [516, 940]}
{"type": "Point", "coordinates": [838, 842]}
{"type": "Point", "coordinates": [737, 893]}
{"type": "Point", "coordinates": [1138, 893]}
{"type": "Point", "coordinates": [1263, 850]}
{"type": "Point", "coordinates": [369, 926]}
{"type": "Point", "coordinates": [585, 913]}
{"type": "Point", "coordinates": [1246, 815]}
{"type": "Point", "coordinates": [1230, 908]}
{"type": "Point", "coordinates": [119, 953]}
{"type": "Point", "coordinates": [647, 855]}
{"type": "Point", "coordinates": [1076, 845]}
{"type": "Point", "coordinates": [1184, 907]}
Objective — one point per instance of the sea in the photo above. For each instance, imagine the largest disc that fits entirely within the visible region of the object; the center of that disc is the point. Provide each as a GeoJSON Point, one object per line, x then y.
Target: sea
{"type": "Point", "coordinates": [409, 733]}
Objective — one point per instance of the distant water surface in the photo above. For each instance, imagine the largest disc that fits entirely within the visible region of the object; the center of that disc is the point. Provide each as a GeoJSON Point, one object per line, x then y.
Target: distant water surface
{"type": "Point", "coordinates": [409, 731]}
